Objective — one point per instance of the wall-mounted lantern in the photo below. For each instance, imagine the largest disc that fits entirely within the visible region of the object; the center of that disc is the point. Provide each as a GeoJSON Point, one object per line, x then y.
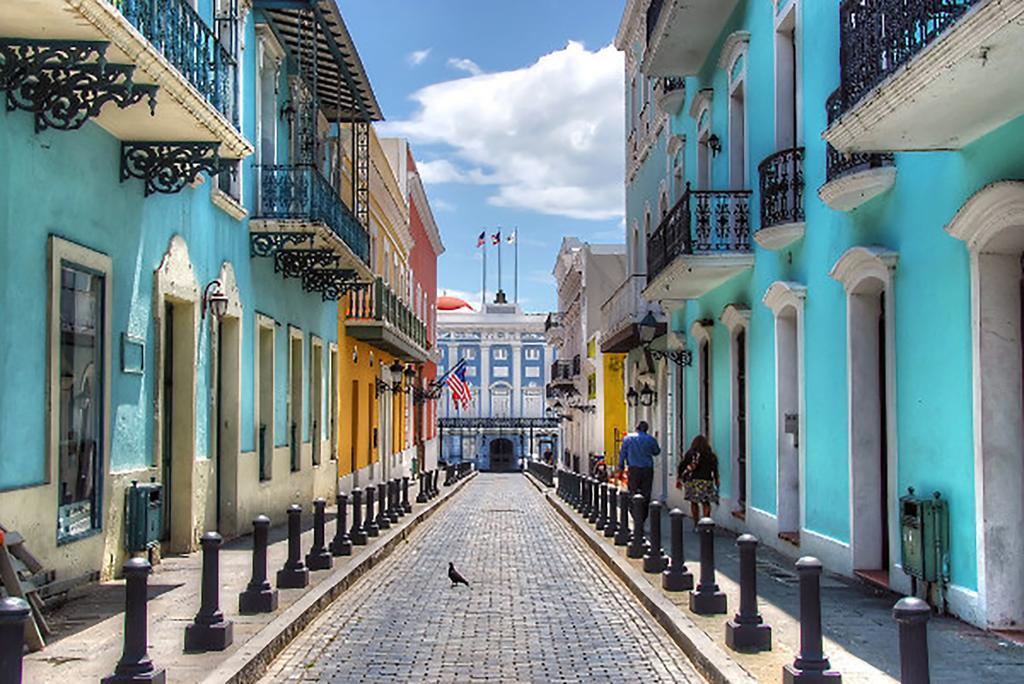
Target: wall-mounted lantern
{"type": "Point", "coordinates": [647, 396]}
{"type": "Point", "coordinates": [214, 300]}
{"type": "Point", "coordinates": [632, 397]}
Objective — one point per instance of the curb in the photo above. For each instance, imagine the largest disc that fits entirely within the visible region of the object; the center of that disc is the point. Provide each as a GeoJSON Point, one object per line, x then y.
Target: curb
{"type": "Point", "coordinates": [252, 659]}
{"type": "Point", "coordinates": [709, 658]}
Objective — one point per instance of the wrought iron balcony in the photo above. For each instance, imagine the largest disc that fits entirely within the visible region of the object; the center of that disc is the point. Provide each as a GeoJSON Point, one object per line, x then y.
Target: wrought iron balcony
{"type": "Point", "coordinates": [377, 315]}
{"type": "Point", "coordinates": [561, 371]}
{"type": "Point", "coordinates": [841, 163]}
{"type": "Point", "coordinates": [878, 37]}
{"type": "Point", "coordinates": [782, 198]}
{"type": "Point", "coordinates": [190, 45]}
{"type": "Point", "coordinates": [301, 193]}
{"type": "Point", "coordinates": [622, 312]}
{"type": "Point", "coordinates": [703, 222]}
{"type": "Point", "coordinates": [670, 93]}
{"type": "Point", "coordinates": [576, 365]}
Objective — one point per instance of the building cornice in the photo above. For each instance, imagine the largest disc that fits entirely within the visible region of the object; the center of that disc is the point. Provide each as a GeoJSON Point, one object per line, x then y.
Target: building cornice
{"type": "Point", "coordinates": [418, 196]}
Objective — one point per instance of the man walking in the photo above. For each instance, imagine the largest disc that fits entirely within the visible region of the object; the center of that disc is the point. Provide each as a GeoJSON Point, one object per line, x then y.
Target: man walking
{"type": "Point", "coordinates": [638, 452]}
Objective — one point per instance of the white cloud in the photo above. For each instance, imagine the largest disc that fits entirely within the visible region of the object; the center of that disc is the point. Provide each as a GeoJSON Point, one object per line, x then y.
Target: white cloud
{"type": "Point", "coordinates": [438, 204]}
{"type": "Point", "coordinates": [549, 136]}
{"type": "Point", "coordinates": [467, 65]}
{"type": "Point", "coordinates": [417, 57]}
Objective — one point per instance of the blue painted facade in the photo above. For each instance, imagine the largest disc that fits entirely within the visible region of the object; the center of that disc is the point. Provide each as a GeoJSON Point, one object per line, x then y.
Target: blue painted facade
{"type": "Point", "coordinates": [932, 393]}
{"type": "Point", "coordinates": [66, 185]}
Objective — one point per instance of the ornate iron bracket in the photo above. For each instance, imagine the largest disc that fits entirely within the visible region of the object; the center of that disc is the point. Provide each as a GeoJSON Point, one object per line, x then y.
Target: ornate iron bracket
{"type": "Point", "coordinates": [331, 283]}
{"type": "Point", "coordinates": [65, 83]}
{"type": "Point", "coordinates": [168, 167]}
{"type": "Point", "coordinates": [681, 357]}
{"type": "Point", "coordinates": [266, 244]}
{"type": "Point", "coordinates": [295, 263]}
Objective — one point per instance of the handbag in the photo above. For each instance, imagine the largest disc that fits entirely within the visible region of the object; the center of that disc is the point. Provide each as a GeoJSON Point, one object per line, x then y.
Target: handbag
{"type": "Point", "coordinates": [689, 470]}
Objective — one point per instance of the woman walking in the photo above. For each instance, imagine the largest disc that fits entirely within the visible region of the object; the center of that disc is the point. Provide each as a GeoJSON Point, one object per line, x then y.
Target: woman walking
{"type": "Point", "coordinates": [698, 474]}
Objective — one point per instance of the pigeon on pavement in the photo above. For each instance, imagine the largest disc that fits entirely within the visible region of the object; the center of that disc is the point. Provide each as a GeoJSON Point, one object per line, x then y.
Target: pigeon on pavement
{"type": "Point", "coordinates": [455, 577]}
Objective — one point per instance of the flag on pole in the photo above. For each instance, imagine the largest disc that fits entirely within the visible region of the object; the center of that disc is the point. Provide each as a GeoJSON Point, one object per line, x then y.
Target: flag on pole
{"type": "Point", "coordinates": [456, 381]}
{"type": "Point", "coordinates": [511, 238]}
{"type": "Point", "coordinates": [481, 239]}
{"type": "Point", "coordinates": [496, 238]}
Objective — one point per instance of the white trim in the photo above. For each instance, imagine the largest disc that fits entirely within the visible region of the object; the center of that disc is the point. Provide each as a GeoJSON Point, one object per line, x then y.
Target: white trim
{"type": "Point", "coordinates": [734, 47]}
{"type": "Point", "coordinates": [701, 101]}
{"type": "Point", "coordinates": [858, 263]}
{"type": "Point", "coordinates": [736, 320]}
{"type": "Point", "coordinates": [782, 293]}
{"type": "Point", "coordinates": [850, 190]}
{"type": "Point", "coordinates": [735, 316]}
{"type": "Point", "coordinates": [988, 213]}
{"type": "Point", "coordinates": [676, 142]}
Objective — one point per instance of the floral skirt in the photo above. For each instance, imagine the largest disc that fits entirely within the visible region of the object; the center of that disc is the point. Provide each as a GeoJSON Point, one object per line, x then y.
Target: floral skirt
{"type": "Point", "coordinates": [701, 491]}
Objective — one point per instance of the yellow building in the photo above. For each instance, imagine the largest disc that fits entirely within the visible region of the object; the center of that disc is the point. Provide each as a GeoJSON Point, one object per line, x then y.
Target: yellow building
{"type": "Point", "coordinates": [380, 336]}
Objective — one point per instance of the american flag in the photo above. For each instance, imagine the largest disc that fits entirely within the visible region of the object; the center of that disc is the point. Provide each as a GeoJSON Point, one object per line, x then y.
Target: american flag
{"type": "Point", "coordinates": [481, 239]}
{"type": "Point", "coordinates": [456, 381]}
{"type": "Point", "coordinates": [496, 238]}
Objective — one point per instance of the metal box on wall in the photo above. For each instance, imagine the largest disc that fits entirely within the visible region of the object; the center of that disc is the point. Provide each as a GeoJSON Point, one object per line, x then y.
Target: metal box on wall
{"type": "Point", "coordinates": [143, 510]}
{"type": "Point", "coordinates": [924, 536]}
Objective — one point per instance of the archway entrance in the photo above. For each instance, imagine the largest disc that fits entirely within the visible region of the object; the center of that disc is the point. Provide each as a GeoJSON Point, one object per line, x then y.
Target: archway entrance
{"type": "Point", "coordinates": [991, 224]}
{"type": "Point", "coordinates": [501, 455]}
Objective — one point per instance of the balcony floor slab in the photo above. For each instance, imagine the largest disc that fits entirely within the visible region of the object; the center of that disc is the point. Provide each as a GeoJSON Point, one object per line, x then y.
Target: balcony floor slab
{"type": "Point", "coordinates": [850, 190]}
{"type": "Point", "coordinates": [692, 276]}
{"type": "Point", "coordinates": [780, 236]}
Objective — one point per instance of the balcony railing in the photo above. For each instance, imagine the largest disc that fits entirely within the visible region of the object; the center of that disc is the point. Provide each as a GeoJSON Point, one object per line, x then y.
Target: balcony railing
{"type": "Point", "coordinates": [379, 304]}
{"type": "Point", "coordinates": [701, 222]}
{"type": "Point", "coordinates": [576, 365]}
{"type": "Point", "coordinates": [190, 45]}
{"type": "Point", "coordinates": [670, 84]}
{"type": "Point", "coordinates": [554, 320]}
{"type": "Point", "coordinates": [302, 192]}
{"type": "Point", "coordinates": [838, 163]}
{"type": "Point", "coordinates": [653, 12]}
{"type": "Point", "coordinates": [625, 306]}
{"type": "Point", "coordinates": [877, 37]}
{"type": "Point", "coordinates": [782, 188]}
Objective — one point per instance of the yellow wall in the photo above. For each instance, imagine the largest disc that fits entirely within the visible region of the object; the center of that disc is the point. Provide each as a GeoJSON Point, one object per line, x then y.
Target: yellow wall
{"type": "Point", "coordinates": [614, 404]}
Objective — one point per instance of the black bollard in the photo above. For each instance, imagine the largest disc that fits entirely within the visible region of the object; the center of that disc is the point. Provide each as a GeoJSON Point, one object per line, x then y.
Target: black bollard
{"type": "Point", "coordinates": [636, 540]}
{"type": "Point", "coordinates": [13, 614]}
{"type": "Point", "coordinates": [612, 524]}
{"type": "Point", "coordinates": [433, 483]}
{"type": "Point", "coordinates": [602, 513]}
{"type": "Point", "coordinates": [341, 545]}
{"type": "Point", "coordinates": [383, 521]}
{"type": "Point", "coordinates": [319, 558]}
{"type": "Point", "coordinates": [294, 574]}
{"type": "Point", "coordinates": [912, 614]}
{"type": "Point", "coordinates": [622, 533]}
{"type": "Point", "coordinates": [395, 509]}
{"type": "Point", "coordinates": [589, 508]}
{"type": "Point", "coordinates": [421, 497]}
{"type": "Point", "coordinates": [577, 493]}
{"type": "Point", "coordinates": [371, 521]}
{"type": "Point", "coordinates": [655, 560]}
{"type": "Point", "coordinates": [135, 665]}
{"type": "Point", "coordinates": [708, 599]}
{"type": "Point", "coordinates": [358, 531]}
{"type": "Point", "coordinates": [810, 665]}
{"type": "Point", "coordinates": [258, 596]}
{"type": "Point", "coordinates": [406, 505]}
{"type": "Point", "coordinates": [677, 577]}
{"type": "Point", "coordinates": [209, 630]}
{"type": "Point", "coordinates": [747, 631]}
{"type": "Point", "coordinates": [595, 502]}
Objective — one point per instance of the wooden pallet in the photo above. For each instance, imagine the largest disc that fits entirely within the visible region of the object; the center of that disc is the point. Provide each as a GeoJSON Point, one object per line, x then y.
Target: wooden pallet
{"type": "Point", "coordinates": [21, 575]}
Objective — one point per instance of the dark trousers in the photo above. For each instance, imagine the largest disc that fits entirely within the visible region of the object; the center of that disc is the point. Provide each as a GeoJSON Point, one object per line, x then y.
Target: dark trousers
{"type": "Point", "coordinates": [640, 481]}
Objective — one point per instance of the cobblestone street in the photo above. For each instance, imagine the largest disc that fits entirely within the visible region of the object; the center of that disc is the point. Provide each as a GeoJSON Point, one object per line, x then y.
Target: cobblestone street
{"type": "Point", "coordinates": [540, 607]}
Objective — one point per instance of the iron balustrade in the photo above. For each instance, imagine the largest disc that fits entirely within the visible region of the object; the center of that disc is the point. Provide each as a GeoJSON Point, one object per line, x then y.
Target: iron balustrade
{"type": "Point", "coordinates": [701, 222]}
{"type": "Point", "coordinates": [190, 45]}
{"type": "Point", "coordinates": [782, 187]}
{"type": "Point", "coordinates": [670, 84]}
{"type": "Point", "coordinates": [838, 163]}
{"type": "Point", "coordinates": [301, 192]}
{"type": "Point", "coordinates": [380, 304]}
{"type": "Point", "coordinates": [542, 471]}
{"type": "Point", "coordinates": [576, 365]}
{"type": "Point", "coordinates": [653, 13]}
{"type": "Point", "coordinates": [877, 37]}
{"type": "Point", "coordinates": [491, 423]}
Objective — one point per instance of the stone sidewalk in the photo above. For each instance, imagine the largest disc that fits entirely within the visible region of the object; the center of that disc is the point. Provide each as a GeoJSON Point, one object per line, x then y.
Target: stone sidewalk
{"type": "Point", "coordinates": [538, 609]}
{"type": "Point", "coordinates": [88, 638]}
{"type": "Point", "coordinates": [860, 633]}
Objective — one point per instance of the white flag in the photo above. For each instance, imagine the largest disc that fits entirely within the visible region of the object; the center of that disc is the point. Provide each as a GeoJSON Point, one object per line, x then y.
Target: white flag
{"type": "Point", "coordinates": [511, 237]}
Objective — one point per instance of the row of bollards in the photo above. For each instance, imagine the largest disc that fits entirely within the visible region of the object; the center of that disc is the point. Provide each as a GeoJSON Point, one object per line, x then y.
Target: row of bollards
{"type": "Point", "coordinates": [385, 504]}
{"type": "Point", "coordinates": [609, 509]}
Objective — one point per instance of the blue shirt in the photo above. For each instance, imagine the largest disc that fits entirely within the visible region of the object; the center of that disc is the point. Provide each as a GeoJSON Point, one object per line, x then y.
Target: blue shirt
{"type": "Point", "coordinates": [638, 450]}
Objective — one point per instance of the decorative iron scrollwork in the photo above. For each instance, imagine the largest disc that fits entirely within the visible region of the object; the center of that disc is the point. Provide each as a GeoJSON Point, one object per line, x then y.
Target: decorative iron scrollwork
{"type": "Point", "coordinates": [66, 83]}
{"type": "Point", "coordinates": [168, 167]}
{"type": "Point", "coordinates": [782, 187]}
{"type": "Point", "coordinates": [295, 263]}
{"type": "Point", "coordinates": [331, 283]}
{"type": "Point", "coordinates": [266, 244]}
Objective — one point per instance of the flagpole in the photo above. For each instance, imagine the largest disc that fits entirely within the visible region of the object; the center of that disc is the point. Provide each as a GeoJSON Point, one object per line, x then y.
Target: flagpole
{"type": "Point", "coordinates": [499, 261]}
{"type": "Point", "coordinates": [483, 294]}
{"type": "Point", "coordinates": [516, 281]}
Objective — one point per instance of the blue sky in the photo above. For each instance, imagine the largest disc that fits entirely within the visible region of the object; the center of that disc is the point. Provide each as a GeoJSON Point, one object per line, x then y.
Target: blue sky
{"type": "Point", "coordinates": [514, 111]}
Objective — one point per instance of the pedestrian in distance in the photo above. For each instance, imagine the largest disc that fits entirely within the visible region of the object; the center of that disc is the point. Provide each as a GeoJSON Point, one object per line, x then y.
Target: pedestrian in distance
{"type": "Point", "coordinates": [637, 457]}
{"type": "Point", "coordinates": [601, 472]}
{"type": "Point", "coordinates": [697, 475]}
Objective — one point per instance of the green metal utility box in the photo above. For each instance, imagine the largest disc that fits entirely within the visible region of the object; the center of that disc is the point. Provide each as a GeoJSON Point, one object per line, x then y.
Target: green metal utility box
{"type": "Point", "coordinates": [924, 535]}
{"type": "Point", "coordinates": [143, 510]}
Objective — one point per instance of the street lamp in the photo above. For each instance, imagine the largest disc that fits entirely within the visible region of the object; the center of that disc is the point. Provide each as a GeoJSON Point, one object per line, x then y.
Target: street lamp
{"type": "Point", "coordinates": [632, 397]}
{"type": "Point", "coordinates": [648, 328]}
{"type": "Point", "coordinates": [215, 300]}
{"type": "Point", "coordinates": [647, 396]}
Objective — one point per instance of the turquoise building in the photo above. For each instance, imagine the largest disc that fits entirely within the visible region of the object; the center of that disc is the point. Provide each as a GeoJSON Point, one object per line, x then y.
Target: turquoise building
{"type": "Point", "coordinates": [183, 200]}
{"type": "Point", "coordinates": [826, 199]}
